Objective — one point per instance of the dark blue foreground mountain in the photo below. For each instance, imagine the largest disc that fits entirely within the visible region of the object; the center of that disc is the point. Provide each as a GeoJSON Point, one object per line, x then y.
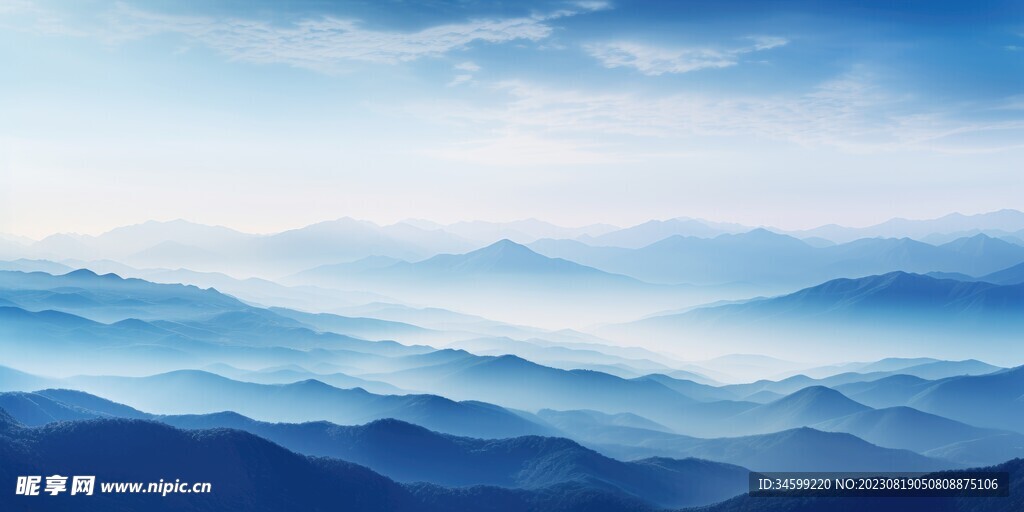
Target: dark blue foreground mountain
{"type": "Point", "coordinates": [410, 453]}
{"type": "Point", "coordinates": [245, 472]}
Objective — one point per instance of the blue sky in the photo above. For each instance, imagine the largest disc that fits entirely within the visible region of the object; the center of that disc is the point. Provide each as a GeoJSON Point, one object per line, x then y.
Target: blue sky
{"type": "Point", "coordinates": [270, 115]}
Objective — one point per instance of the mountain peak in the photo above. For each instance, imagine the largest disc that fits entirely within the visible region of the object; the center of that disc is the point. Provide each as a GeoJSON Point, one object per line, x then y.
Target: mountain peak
{"type": "Point", "coordinates": [818, 397]}
{"type": "Point", "coordinates": [85, 273]}
{"type": "Point", "coordinates": [503, 257]}
{"type": "Point", "coordinates": [507, 245]}
{"type": "Point", "coordinates": [82, 272]}
{"type": "Point", "coordinates": [394, 426]}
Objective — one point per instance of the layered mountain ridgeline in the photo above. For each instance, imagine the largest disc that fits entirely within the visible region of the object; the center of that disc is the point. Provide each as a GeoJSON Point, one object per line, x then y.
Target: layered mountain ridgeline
{"type": "Point", "coordinates": [859, 316]}
{"type": "Point", "coordinates": [244, 471]}
{"type": "Point", "coordinates": [1004, 224]}
{"type": "Point", "coordinates": [770, 260]}
{"type": "Point", "coordinates": [991, 400]}
{"type": "Point", "coordinates": [1001, 223]}
{"type": "Point", "coordinates": [73, 317]}
{"type": "Point", "coordinates": [566, 355]}
{"type": "Point", "coordinates": [410, 453]}
{"type": "Point", "coordinates": [498, 261]}
{"type": "Point", "coordinates": [69, 343]}
{"type": "Point", "coordinates": [1006, 276]}
{"type": "Point", "coordinates": [798, 449]}
{"type": "Point", "coordinates": [112, 298]}
{"type": "Point", "coordinates": [620, 435]}
{"type": "Point", "coordinates": [820, 408]}
{"type": "Point", "coordinates": [910, 295]}
{"type": "Point", "coordinates": [509, 281]}
{"type": "Point", "coordinates": [188, 311]}
{"type": "Point", "coordinates": [516, 382]}
{"type": "Point", "coordinates": [189, 391]}
{"type": "Point", "coordinates": [710, 414]}
{"type": "Point", "coordinates": [413, 454]}
{"type": "Point", "coordinates": [176, 243]}
{"type": "Point", "coordinates": [181, 243]}
{"type": "Point", "coordinates": [772, 389]}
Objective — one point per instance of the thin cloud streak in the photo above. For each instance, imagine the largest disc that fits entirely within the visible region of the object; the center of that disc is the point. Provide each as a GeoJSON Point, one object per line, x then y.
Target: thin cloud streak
{"type": "Point", "coordinates": [657, 60]}
{"type": "Point", "coordinates": [849, 113]}
{"type": "Point", "coordinates": [319, 44]}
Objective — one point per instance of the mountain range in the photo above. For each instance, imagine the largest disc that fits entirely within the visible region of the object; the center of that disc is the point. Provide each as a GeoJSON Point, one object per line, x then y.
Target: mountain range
{"type": "Point", "coordinates": [200, 247]}
{"type": "Point", "coordinates": [771, 260]}
{"type": "Point", "coordinates": [191, 391]}
{"type": "Point", "coordinates": [991, 400]}
{"type": "Point", "coordinates": [510, 282]}
{"type": "Point", "coordinates": [410, 453]}
{"type": "Point", "coordinates": [926, 315]}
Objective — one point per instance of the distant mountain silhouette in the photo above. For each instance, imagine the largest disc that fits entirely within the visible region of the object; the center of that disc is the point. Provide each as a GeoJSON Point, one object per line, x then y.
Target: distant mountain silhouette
{"type": "Point", "coordinates": [508, 281]}
{"type": "Point", "coordinates": [287, 375]}
{"type": "Point", "coordinates": [63, 340]}
{"type": "Point", "coordinates": [943, 369]}
{"type": "Point", "coordinates": [652, 231]}
{"type": "Point", "coordinates": [28, 265]}
{"type": "Point", "coordinates": [15, 380]}
{"type": "Point", "coordinates": [982, 451]}
{"type": "Point", "coordinates": [691, 389]}
{"type": "Point", "coordinates": [190, 391]}
{"type": "Point", "coordinates": [799, 449]}
{"type": "Point", "coordinates": [991, 400]}
{"type": "Point", "coordinates": [908, 293]}
{"type": "Point", "coordinates": [891, 391]}
{"type": "Point", "coordinates": [559, 355]}
{"type": "Point", "coordinates": [521, 231]}
{"type": "Point", "coordinates": [755, 255]}
{"type": "Point", "coordinates": [771, 261]}
{"type": "Point", "coordinates": [500, 258]}
{"type": "Point", "coordinates": [908, 428]}
{"type": "Point", "coordinates": [1007, 276]}
{"type": "Point", "coordinates": [119, 298]}
{"type": "Point", "coordinates": [212, 248]}
{"type": "Point", "coordinates": [808, 406]}
{"type": "Point", "coordinates": [516, 382]}
{"type": "Point", "coordinates": [924, 313]}
{"type": "Point", "coordinates": [1002, 220]}
{"type": "Point", "coordinates": [157, 327]}
{"type": "Point", "coordinates": [931, 369]}
{"type": "Point", "coordinates": [366, 328]}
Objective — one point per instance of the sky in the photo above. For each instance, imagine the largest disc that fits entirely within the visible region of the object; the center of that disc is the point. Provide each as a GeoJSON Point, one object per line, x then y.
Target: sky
{"type": "Point", "coordinates": [268, 115]}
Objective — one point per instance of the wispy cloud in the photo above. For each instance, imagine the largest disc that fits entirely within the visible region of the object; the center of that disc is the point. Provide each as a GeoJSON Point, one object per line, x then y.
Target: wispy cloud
{"type": "Point", "coordinates": [849, 113]}
{"type": "Point", "coordinates": [465, 70]}
{"type": "Point", "coordinates": [658, 60]}
{"type": "Point", "coordinates": [318, 43]}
